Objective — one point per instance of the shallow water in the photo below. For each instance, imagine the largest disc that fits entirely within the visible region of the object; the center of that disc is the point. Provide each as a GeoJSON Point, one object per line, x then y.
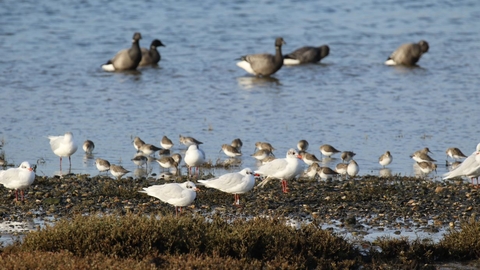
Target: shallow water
{"type": "Point", "coordinates": [52, 82]}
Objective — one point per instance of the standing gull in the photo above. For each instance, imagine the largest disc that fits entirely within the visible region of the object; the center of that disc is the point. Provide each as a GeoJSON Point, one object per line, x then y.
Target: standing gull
{"type": "Point", "coordinates": [282, 168]}
{"type": "Point", "coordinates": [194, 157]}
{"type": "Point", "coordinates": [63, 146]}
{"type": "Point", "coordinates": [178, 195]}
{"type": "Point", "coordinates": [234, 183]}
{"type": "Point", "coordinates": [18, 178]}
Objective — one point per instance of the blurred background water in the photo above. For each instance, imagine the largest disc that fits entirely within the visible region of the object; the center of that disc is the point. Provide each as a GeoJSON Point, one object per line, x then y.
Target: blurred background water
{"type": "Point", "coordinates": [51, 81]}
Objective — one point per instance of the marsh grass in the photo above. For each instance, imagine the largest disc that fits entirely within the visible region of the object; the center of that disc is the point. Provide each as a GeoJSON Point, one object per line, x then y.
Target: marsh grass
{"type": "Point", "coordinates": [141, 242]}
{"type": "Point", "coordinates": [132, 237]}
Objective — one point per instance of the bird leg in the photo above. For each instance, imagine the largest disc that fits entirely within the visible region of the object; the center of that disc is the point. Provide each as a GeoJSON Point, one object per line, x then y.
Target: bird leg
{"type": "Point", "coordinates": [264, 182]}
{"type": "Point", "coordinates": [21, 192]}
{"type": "Point", "coordinates": [284, 186]}
{"type": "Point", "coordinates": [16, 195]}
{"type": "Point", "coordinates": [236, 199]}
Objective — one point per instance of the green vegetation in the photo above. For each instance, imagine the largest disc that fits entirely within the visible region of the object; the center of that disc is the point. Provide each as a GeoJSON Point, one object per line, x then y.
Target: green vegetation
{"type": "Point", "coordinates": [140, 242]}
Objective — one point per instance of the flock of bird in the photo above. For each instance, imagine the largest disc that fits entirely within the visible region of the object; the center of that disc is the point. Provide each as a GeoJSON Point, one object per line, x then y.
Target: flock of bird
{"type": "Point", "coordinates": [236, 183]}
{"type": "Point", "coordinates": [262, 64]}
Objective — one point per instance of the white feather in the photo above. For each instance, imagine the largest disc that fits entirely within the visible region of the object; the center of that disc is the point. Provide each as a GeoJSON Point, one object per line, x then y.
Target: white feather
{"type": "Point", "coordinates": [247, 67]}
{"type": "Point", "coordinates": [291, 62]}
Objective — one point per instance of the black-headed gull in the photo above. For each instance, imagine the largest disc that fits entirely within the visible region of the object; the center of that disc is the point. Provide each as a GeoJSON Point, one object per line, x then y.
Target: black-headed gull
{"type": "Point", "coordinates": [194, 157]}
{"type": "Point", "coordinates": [18, 178]}
{"type": "Point", "coordinates": [385, 159]}
{"type": "Point", "coordinates": [470, 167]}
{"type": "Point", "coordinates": [408, 54]}
{"type": "Point", "coordinates": [282, 168]}
{"type": "Point", "coordinates": [263, 64]}
{"type": "Point", "coordinates": [178, 195]}
{"type": "Point", "coordinates": [63, 146]}
{"type": "Point", "coordinates": [234, 183]}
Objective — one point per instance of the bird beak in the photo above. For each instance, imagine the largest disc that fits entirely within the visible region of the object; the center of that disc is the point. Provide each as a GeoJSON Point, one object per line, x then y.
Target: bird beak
{"type": "Point", "coordinates": [299, 156]}
{"type": "Point", "coordinates": [30, 169]}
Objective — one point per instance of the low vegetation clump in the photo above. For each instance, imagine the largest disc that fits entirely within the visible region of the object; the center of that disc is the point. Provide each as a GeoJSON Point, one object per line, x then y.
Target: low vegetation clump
{"type": "Point", "coordinates": [258, 242]}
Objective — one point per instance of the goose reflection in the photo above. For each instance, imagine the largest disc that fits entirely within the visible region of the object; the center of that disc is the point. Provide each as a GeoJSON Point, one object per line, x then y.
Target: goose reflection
{"type": "Point", "coordinates": [250, 82]}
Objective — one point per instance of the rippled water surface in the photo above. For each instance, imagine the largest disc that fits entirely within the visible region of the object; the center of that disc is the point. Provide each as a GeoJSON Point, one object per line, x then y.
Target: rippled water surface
{"type": "Point", "coordinates": [51, 81]}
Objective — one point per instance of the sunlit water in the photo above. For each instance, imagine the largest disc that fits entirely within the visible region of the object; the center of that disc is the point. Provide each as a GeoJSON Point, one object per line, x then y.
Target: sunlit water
{"type": "Point", "coordinates": [51, 81]}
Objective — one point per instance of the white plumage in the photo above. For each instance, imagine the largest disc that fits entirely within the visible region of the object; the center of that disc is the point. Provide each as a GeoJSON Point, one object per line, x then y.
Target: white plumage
{"type": "Point", "coordinates": [282, 168]}
{"type": "Point", "coordinates": [233, 183]}
{"type": "Point", "coordinates": [470, 167]}
{"type": "Point", "coordinates": [194, 157]}
{"type": "Point", "coordinates": [63, 146]}
{"type": "Point", "coordinates": [178, 195]}
{"type": "Point", "coordinates": [18, 178]}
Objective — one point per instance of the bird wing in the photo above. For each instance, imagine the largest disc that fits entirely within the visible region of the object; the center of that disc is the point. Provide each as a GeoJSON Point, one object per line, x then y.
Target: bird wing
{"type": "Point", "coordinates": [468, 166]}
{"type": "Point", "coordinates": [225, 182]}
{"type": "Point", "coordinates": [305, 54]}
{"type": "Point", "coordinates": [272, 167]}
{"type": "Point", "coordinates": [164, 192]}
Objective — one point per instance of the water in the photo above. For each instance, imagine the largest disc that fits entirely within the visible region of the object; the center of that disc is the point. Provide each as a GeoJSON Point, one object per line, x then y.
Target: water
{"type": "Point", "coordinates": [51, 81]}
